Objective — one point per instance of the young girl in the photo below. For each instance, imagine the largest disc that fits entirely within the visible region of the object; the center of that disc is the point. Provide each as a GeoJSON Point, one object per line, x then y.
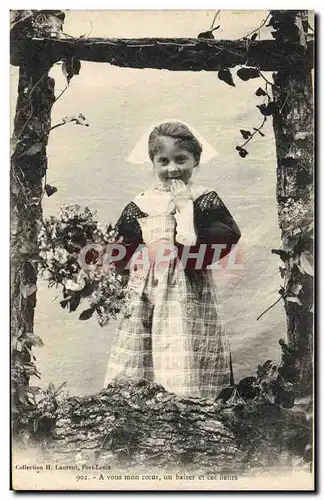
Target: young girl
{"type": "Point", "coordinates": [173, 332]}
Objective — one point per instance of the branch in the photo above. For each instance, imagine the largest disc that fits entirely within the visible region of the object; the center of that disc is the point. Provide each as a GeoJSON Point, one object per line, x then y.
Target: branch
{"type": "Point", "coordinates": [79, 119]}
{"type": "Point", "coordinates": [215, 17]}
{"type": "Point", "coordinates": [270, 307]}
{"type": "Point", "coordinates": [57, 98]}
{"type": "Point", "coordinates": [266, 80]}
{"type": "Point", "coordinates": [253, 134]}
{"type": "Point", "coordinates": [258, 28]}
{"type": "Point", "coordinates": [56, 126]}
{"type": "Point", "coordinates": [175, 54]}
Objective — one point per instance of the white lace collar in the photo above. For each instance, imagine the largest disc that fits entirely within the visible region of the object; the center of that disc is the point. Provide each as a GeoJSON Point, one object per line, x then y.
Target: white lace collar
{"type": "Point", "coordinates": [159, 185]}
{"type": "Point", "coordinates": [147, 199]}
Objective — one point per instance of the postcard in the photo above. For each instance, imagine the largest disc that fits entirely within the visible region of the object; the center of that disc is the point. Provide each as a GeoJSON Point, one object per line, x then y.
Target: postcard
{"type": "Point", "coordinates": [162, 242]}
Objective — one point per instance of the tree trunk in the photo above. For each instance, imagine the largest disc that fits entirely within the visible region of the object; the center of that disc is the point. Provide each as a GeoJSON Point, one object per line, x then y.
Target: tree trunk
{"type": "Point", "coordinates": [28, 167]}
{"type": "Point", "coordinates": [293, 128]}
{"type": "Point", "coordinates": [140, 426]}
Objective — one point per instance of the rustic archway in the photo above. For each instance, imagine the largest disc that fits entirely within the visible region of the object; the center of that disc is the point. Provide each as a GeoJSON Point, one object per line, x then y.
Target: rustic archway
{"type": "Point", "coordinates": [290, 56]}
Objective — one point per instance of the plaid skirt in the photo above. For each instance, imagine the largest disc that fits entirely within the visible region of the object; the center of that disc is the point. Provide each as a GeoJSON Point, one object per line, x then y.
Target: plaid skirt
{"type": "Point", "coordinates": [173, 333]}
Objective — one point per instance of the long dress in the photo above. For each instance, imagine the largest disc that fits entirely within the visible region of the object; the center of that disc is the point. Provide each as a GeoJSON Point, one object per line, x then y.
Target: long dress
{"type": "Point", "coordinates": [173, 331]}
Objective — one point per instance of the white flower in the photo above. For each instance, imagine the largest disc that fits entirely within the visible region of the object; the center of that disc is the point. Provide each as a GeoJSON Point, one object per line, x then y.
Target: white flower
{"type": "Point", "coordinates": [94, 298]}
{"type": "Point", "coordinates": [46, 274]}
{"type": "Point", "coordinates": [50, 255]}
{"type": "Point", "coordinates": [42, 244]}
{"type": "Point", "coordinates": [61, 255]}
{"type": "Point", "coordinates": [76, 286]}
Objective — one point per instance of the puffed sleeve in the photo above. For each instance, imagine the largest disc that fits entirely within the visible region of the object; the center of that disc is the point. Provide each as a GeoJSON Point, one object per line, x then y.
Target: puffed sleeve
{"type": "Point", "coordinates": [214, 223]}
{"type": "Point", "coordinates": [129, 230]}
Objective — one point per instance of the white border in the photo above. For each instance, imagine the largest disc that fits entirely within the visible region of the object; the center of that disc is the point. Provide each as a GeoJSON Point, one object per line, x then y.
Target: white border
{"type": "Point", "coordinates": [4, 184]}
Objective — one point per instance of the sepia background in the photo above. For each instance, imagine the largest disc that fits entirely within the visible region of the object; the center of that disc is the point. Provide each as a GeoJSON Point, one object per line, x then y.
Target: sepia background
{"type": "Point", "coordinates": [89, 166]}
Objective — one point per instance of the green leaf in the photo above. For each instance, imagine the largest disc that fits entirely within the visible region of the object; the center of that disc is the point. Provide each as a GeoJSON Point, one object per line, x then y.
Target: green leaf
{"type": "Point", "coordinates": [65, 302]}
{"type": "Point", "coordinates": [308, 228]}
{"type": "Point", "coordinates": [13, 144]}
{"type": "Point", "coordinates": [36, 425]}
{"type": "Point", "coordinates": [76, 65]}
{"type": "Point", "coordinates": [242, 151]}
{"type": "Point", "coordinates": [17, 335]}
{"type": "Point", "coordinates": [50, 190]}
{"type": "Point", "coordinates": [261, 371]}
{"type": "Point", "coordinates": [270, 397]}
{"type": "Point", "coordinates": [81, 120]}
{"type": "Point", "coordinates": [30, 372]}
{"type": "Point", "coordinates": [22, 395]}
{"type": "Point", "coordinates": [245, 133]}
{"type": "Point", "coordinates": [33, 389]}
{"type": "Point", "coordinates": [260, 92]}
{"type": "Point", "coordinates": [226, 393]}
{"type": "Point", "coordinates": [29, 364]}
{"type": "Point", "coordinates": [51, 387]}
{"type": "Point", "coordinates": [87, 314]}
{"type": "Point", "coordinates": [59, 389]}
{"type": "Point", "coordinates": [74, 302]}
{"type": "Point", "coordinates": [33, 259]}
{"type": "Point", "coordinates": [282, 271]}
{"type": "Point", "coordinates": [289, 242]}
{"type": "Point", "coordinates": [67, 69]}
{"type": "Point", "coordinates": [206, 34]}
{"type": "Point", "coordinates": [28, 248]}
{"type": "Point", "coordinates": [15, 189]}
{"type": "Point", "coordinates": [287, 399]}
{"type": "Point", "coordinates": [27, 290]}
{"type": "Point", "coordinates": [296, 288]}
{"type": "Point", "coordinates": [294, 300]}
{"type": "Point", "coordinates": [301, 270]}
{"type": "Point", "coordinates": [267, 364]}
{"type": "Point", "coordinates": [226, 76]}
{"type": "Point", "coordinates": [34, 340]}
{"type": "Point", "coordinates": [25, 436]}
{"type": "Point", "coordinates": [248, 73]}
{"type": "Point", "coordinates": [268, 109]}
{"type": "Point", "coordinates": [282, 253]}
{"type": "Point", "coordinates": [16, 357]}
{"type": "Point", "coordinates": [14, 410]}
{"type": "Point", "coordinates": [307, 262]}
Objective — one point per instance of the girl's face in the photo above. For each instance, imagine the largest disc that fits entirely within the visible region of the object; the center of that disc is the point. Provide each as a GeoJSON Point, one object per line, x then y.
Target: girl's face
{"type": "Point", "coordinates": [172, 161]}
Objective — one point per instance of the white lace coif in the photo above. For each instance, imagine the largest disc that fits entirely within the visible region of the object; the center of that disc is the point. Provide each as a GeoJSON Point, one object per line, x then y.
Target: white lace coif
{"type": "Point", "coordinates": [139, 155]}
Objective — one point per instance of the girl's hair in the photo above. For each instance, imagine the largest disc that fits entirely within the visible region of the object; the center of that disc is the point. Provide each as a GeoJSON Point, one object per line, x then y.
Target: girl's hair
{"type": "Point", "coordinates": [183, 135]}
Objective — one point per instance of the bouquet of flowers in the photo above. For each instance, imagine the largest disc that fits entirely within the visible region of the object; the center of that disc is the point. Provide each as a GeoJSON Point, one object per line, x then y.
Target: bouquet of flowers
{"type": "Point", "coordinates": [61, 239]}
